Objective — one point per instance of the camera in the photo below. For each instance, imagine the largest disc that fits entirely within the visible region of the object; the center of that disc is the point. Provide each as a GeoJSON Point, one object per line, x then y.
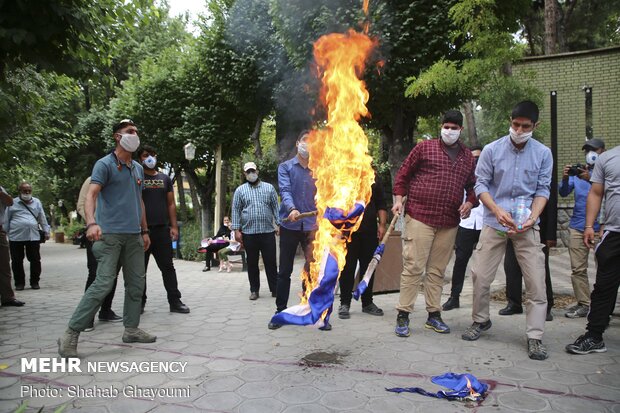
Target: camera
{"type": "Point", "coordinates": [576, 169]}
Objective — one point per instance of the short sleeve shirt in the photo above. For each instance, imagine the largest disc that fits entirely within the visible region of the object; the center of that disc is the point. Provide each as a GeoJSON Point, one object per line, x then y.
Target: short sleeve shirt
{"type": "Point", "coordinates": [155, 196]}
{"type": "Point", "coordinates": [607, 172]}
{"type": "Point", "coordinates": [119, 209]}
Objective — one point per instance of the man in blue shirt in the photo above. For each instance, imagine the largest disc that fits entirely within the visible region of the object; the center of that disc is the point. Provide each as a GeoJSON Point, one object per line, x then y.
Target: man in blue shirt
{"type": "Point", "coordinates": [297, 190]}
{"type": "Point", "coordinates": [120, 236]}
{"type": "Point", "coordinates": [577, 250]}
{"type": "Point", "coordinates": [511, 167]}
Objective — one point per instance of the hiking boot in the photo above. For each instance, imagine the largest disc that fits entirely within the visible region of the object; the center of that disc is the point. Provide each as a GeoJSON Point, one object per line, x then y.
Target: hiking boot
{"type": "Point", "coordinates": [67, 344]}
{"type": "Point", "coordinates": [135, 335]}
{"type": "Point", "coordinates": [434, 322]}
{"type": "Point", "coordinates": [372, 309]}
{"type": "Point", "coordinates": [586, 345]}
{"type": "Point", "coordinates": [536, 350]}
{"type": "Point", "coordinates": [402, 324]}
{"type": "Point", "coordinates": [109, 316]}
{"type": "Point", "coordinates": [474, 331]}
{"type": "Point", "coordinates": [451, 304]}
{"type": "Point", "coordinates": [343, 311]}
{"type": "Point", "coordinates": [577, 311]}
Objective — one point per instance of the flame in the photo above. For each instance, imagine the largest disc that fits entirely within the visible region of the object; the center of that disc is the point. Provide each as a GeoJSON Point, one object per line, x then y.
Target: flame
{"type": "Point", "coordinates": [339, 157]}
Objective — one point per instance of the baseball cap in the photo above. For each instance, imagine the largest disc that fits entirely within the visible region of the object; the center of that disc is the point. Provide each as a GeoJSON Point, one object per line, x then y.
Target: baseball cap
{"type": "Point", "coordinates": [248, 166]}
{"type": "Point", "coordinates": [594, 143]}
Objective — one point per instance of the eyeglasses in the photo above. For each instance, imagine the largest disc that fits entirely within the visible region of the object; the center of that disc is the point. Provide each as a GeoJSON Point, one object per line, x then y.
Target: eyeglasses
{"type": "Point", "coordinates": [524, 126]}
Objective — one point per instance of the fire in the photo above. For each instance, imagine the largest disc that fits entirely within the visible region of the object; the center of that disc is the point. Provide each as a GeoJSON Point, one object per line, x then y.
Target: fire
{"type": "Point", "coordinates": [339, 157]}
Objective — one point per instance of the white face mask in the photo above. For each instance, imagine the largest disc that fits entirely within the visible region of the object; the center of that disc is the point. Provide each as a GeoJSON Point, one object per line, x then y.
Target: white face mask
{"type": "Point", "coordinates": [150, 162]}
{"type": "Point", "coordinates": [591, 157]}
{"type": "Point", "coordinates": [25, 197]}
{"type": "Point", "coordinates": [252, 177]}
{"type": "Point", "coordinates": [519, 138]}
{"type": "Point", "coordinates": [449, 136]}
{"type": "Point", "coordinates": [302, 150]}
{"type": "Point", "coordinates": [130, 142]}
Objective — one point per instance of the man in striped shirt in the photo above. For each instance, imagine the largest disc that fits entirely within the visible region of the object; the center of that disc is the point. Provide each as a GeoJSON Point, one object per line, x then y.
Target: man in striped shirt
{"type": "Point", "coordinates": [255, 222]}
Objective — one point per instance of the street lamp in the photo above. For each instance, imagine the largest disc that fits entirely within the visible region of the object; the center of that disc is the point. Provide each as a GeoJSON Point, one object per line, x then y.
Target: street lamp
{"type": "Point", "coordinates": [190, 151]}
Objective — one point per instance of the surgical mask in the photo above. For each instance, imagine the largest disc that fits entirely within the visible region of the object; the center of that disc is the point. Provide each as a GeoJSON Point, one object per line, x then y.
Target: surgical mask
{"type": "Point", "coordinates": [252, 177]}
{"type": "Point", "coordinates": [25, 197]}
{"type": "Point", "coordinates": [150, 162]}
{"type": "Point", "coordinates": [449, 136]}
{"type": "Point", "coordinates": [302, 150]}
{"type": "Point", "coordinates": [130, 142]}
{"type": "Point", "coordinates": [591, 157]}
{"type": "Point", "coordinates": [519, 138]}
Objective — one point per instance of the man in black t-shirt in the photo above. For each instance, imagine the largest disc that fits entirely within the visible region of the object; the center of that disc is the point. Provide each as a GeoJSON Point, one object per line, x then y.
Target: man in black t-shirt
{"type": "Point", "coordinates": [361, 248]}
{"type": "Point", "coordinates": [161, 217]}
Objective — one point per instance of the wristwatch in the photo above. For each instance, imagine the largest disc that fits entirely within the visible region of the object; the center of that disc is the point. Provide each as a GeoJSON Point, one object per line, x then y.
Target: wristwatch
{"type": "Point", "coordinates": [145, 231]}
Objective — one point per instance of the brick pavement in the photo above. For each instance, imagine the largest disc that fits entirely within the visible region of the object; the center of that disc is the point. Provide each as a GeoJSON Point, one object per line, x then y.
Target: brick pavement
{"type": "Point", "coordinates": [235, 364]}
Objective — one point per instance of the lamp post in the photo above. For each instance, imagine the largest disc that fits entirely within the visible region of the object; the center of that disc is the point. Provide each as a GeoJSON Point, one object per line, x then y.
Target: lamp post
{"type": "Point", "coordinates": [190, 151]}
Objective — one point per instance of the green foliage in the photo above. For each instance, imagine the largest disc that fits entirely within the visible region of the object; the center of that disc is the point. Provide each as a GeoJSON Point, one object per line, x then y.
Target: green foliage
{"type": "Point", "coordinates": [191, 235]}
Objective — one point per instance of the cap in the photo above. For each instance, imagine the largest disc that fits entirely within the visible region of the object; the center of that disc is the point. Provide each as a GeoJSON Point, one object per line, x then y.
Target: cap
{"type": "Point", "coordinates": [526, 109]}
{"type": "Point", "coordinates": [122, 124]}
{"type": "Point", "coordinates": [594, 143]}
{"type": "Point", "coordinates": [453, 116]}
{"type": "Point", "coordinates": [248, 166]}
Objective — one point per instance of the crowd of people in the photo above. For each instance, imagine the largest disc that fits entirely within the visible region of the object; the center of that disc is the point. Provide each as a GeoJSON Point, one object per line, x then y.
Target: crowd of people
{"type": "Point", "coordinates": [484, 203]}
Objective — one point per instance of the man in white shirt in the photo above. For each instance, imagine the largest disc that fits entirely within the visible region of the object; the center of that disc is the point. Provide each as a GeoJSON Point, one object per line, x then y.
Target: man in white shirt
{"type": "Point", "coordinates": [466, 239]}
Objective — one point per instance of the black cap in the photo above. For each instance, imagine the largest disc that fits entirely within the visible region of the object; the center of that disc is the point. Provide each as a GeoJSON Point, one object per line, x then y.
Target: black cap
{"type": "Point", "coordinates": [122, 124]}
{"type": "Point", "coordinates": [452, 116]}
{"type": "Point", "coordinates": [594, 143]}
{"type": "Point", "coordinates": [526, 109]}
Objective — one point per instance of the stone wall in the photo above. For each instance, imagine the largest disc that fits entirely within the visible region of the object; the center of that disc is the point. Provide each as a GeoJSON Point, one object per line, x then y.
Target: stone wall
{"type": "Point", "coordinates": [569, 74]}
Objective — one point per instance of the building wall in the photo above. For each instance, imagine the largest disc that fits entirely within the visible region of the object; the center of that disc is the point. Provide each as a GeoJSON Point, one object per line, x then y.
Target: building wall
{"type": "Point", "coordinates": [568, 74]}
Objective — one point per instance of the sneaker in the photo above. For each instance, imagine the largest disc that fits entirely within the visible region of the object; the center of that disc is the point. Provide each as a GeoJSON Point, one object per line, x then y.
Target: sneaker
{"type": "Point", "coordinates": [109, 316]}
{"type": "Point", "coordinates": [67, 344]}
{"type": "Point", "coordinates": [135, 335]}
{"type": "Point", "coordinates": [343, 311]}
{"type": "Point", "coordinates": [586, 345]}
{"type": "Point", "coordinates": [34, 286]}
{"type": "Point", "coordinates": [402, 325]}
{"type": "Point", "coordinates": [253, 296]}
{"type": "Point", "coordinates": [577, 311]}
{"type": "Point", "coordinates": [19, 287]}
{"type": "Point", "coordinates": [91, 326]}
{"type": "Point", "coordinates": [434, 322]}
{"type": "Point", "coordinates": [451, 304]}
{"type": "Point", "coordinates": [474, 331]}
{"type": "Point", "coordinates": [326, 327]}
{"type": "Point", "coordinates": [536, 350]}
{"type": "Point", "coordinates": [372, 309]}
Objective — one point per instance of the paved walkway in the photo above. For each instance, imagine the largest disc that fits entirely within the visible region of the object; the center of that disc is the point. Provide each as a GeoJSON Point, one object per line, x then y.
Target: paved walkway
{"type": "Point", "coordinates": [235, 364]}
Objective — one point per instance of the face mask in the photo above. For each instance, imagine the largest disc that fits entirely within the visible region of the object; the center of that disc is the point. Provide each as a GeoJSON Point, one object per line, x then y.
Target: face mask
{"type": "Point", "coordinates": [252, 177]}
{"type": "Point", "coordinates": [302, 150]}
{"type": "Point", "coordinates": [519, 138]}
{"type": "Point", "coordinates": [591, 157]}
{"type": "Point", "coordinates": [150, 162]}
{"type": "Point", "coordinates": [25, 197]}
{"type": "Point", "coordinates": [130, 142]}
{"type": "Point", "coordinates": [449, 136]}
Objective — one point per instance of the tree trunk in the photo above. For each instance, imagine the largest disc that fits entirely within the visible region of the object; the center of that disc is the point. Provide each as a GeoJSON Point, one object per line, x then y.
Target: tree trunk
{"type": "Point", "coordinates": [398, 138]}
{"type": "Point", "coordinates": [255, 136]}
{"type": "Point", "coordinates": [203, 210]}
{"type": "Point", "coordinates": [468, 108]}
{"type": "Point", "coordinates": [551, 30]}
{"type": "Point", "coordinates": [181, 190]}
{"type": "Point", "coordinates": [191, 178]}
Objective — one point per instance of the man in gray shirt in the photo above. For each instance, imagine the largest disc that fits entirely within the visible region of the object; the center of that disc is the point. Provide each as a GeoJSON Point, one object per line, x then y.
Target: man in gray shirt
{"type": "Point", "coordinates": [605, 182]}
{"type": "Point", "coordinates": [7, 296]}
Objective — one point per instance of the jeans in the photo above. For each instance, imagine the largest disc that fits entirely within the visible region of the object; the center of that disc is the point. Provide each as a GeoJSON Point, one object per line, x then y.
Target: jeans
{"type": "Point", "coordinates": [289, 240]}
{"type": "Point", "coordinates": [110, 251]}
{"type": "Point", "coordinates": [361, 248]}
{"type": "Point", "coordinates": [33, 255]}
{"type": "Point", "coordinates": [91, 263]}
{"type": "Point", "coordinates": [603, 298]}
{"type": "Point", "coordinates": [161, 248]}
{"type": "Point", "coordinates": [265, 245]}
{"type": "Point", "coordinates": [466, 240]}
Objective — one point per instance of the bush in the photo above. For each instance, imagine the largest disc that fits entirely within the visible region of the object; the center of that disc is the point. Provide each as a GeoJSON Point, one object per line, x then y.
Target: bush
{"type": "Point", "coordinates": [191, 235]}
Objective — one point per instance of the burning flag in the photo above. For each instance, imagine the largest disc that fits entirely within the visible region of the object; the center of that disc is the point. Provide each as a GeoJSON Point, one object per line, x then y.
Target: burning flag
{"type": "Point", "coordinates": [341, 165]}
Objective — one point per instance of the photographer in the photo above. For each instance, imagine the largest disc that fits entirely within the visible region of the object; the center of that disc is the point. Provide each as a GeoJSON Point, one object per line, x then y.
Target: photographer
{"type": "Point", "coordinates": [577, 178]}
